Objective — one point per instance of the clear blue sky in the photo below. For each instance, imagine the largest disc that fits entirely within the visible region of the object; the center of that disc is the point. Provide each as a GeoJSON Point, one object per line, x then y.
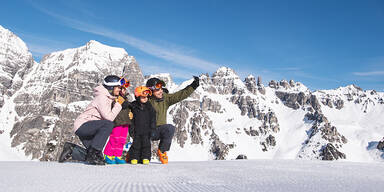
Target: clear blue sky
{"type": "Point", "coordinates": [321, 43]}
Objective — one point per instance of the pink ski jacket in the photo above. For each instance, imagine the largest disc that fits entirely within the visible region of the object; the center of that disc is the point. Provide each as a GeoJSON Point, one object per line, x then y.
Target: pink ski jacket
{"type": "Point", "coordinates": [99, 108]}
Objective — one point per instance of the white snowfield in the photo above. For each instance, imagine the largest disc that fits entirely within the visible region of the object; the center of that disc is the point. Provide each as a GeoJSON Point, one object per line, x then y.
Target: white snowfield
{"type": "Point", "coordinates": [230, 175]}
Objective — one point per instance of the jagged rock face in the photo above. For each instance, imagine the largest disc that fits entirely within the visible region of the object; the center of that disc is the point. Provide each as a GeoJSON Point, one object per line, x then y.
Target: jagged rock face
{"type": "Point", "coordinates": [380, 145]}
{"type": "Point", "coordinates": [322, 132]}
{"type": "Point", "coordinates": [15, 62]}
{"type": "Point", "coordinates": [61, 87]}
{"type": "Point", "coordinates": [323, 139]}
{"type": "Point", "coordinates": [224, 80]}
{"type": "Point", "coordinates": [297, 100]}
{"type": "Point", "coordinates": [329, 152]}
{"type": "Point", "coordinates": [195, 127]}
{"type": "Point", "coordinates": [209, 105]}
{"type": "Point", "coordinates": [218, 148]}
{"type": "Point", "coordinates": [253, 86]}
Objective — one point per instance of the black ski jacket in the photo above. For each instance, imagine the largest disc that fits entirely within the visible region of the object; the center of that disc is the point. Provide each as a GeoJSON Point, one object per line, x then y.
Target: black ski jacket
{"type": "Point", "coordinates": [144, 118]}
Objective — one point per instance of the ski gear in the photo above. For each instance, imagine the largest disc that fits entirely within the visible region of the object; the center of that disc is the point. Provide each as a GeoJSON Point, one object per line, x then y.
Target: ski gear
{"type": "Point", "coordinates": [66, 154]}
{"type": "Point", "coordinates": [120, 160]}
{"type": "Point", "coordinates": [195, 82]}
{"type": "Point", "coordinates": [93, 157]}
{"type": "Point", "coordinates": [145, 161]}
{"type": "Point", "coordinates": [99, 108]}
{"type": "Point", "coordinates": [125, 82]}
{"type": "Point", "coordinates": [162, 157]}
{"type": "Point", "coordinates": [142, 91]}
{"type": "Point", "coordinates": [164, 133]}
{"type": "Point", "coordinates": [155, 83]}
{"type": "Point", "coordinates": [117, 139]}
{"type": "Point", "coordinates": [120, 100]}
{"type": "Point", "coordinates": [78, 153]}
{"type": "Point", "coordinates": [161, 105]}
{"type": "Point", "coordinates": [144, 118]}
{"type": "Point", "coordinates": [134, 161]}
{"type": "Point", "coordinates": [95, 133]}
{"type": "Point", "coordinates": [111, 81]}
{"type": "Point", "coordinates": [143, 122]}
{"type": "Point", "coordinates": [141, 147]}
{"type": "Point", "coordinates": [109, 159]}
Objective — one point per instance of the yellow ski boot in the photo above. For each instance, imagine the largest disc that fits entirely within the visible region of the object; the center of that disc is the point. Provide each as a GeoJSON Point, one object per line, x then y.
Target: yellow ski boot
{"type": "Point", "coordinates": [145, 161]}
{"type": "Point", "coordinates": [134, 161]}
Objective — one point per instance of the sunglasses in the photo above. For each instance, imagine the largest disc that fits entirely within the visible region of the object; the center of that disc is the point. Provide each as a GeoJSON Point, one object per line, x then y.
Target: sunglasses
{"type": "Point", "coordinates": [124, 82]}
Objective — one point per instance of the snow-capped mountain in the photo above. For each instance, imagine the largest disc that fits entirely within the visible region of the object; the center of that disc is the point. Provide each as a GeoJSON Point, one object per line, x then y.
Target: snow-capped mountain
{"type": "Point", "coordinates": [225, 117]}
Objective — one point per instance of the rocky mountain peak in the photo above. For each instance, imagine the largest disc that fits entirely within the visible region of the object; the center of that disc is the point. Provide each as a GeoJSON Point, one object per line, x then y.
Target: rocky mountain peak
{"type": "Point", "coordinates": [15, 62]}
{"type": "Point", "coordinates": [225, 72]}
{"type": "Point", "coordinates": [12, 42]}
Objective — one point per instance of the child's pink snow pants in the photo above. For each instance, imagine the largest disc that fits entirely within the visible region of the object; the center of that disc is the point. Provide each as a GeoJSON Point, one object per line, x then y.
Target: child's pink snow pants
{"type": "Point", "coordinates": [116, 141]}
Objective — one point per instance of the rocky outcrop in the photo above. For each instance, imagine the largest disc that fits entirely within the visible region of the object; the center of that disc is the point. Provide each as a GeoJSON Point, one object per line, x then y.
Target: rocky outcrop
{"type": "Point", "coordinates": [253, 86]}
{"type": "Point", "coordinates": [324, 140]}
{"type": "Point", "coordinates": [380, 145]}
{"type": "Point", "coordinates": [247, 105]}
{"type": "Point", "coordinates": [329, 152]}
{"type": "Point", "coordinates": [297, 100]}
{"type": "Point", "coordinates": [15, 62]}
{"type": "Point", "coordinates": [209, 105]}
{"type": "Point", "coordinates": [241, 156]}
{"type": "Point", "coordinates": [218, 148]}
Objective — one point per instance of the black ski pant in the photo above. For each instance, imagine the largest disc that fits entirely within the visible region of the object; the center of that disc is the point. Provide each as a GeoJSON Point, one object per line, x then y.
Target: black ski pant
{"type": "Point", "coordinates": [94, 134]}
{"type": "Point", "coordinates": [164, 133]}
{"type": "Point", "coordinates": [141, 147]}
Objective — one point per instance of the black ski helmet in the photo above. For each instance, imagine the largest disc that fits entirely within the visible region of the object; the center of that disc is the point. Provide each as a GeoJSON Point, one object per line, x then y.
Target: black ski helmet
{"type": "Point", "coordinates": [111, 81]}
{"type": "Point", "coordinates": [153, 81]}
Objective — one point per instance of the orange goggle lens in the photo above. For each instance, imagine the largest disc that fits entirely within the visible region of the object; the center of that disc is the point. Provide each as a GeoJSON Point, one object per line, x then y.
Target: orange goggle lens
{"type": "Point", "coordinates": [146, 93]}
{"type": "Point", "coordinates": [158, 86]}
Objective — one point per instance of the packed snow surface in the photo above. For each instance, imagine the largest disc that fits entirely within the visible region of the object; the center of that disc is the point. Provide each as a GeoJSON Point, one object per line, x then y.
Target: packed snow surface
{"type": "Point", "coordinates": [234, 175]}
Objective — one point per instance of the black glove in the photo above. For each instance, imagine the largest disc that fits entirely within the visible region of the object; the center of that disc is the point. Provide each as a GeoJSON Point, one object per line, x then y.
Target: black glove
{"type": "Point", "coordinates": [154, 135]}
{"type": "Point", "coordinates": [195, 82]}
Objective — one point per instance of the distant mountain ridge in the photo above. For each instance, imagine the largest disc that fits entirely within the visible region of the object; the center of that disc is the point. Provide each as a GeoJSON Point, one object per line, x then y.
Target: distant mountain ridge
{"type": "Point", "coordinates": [224, 118]}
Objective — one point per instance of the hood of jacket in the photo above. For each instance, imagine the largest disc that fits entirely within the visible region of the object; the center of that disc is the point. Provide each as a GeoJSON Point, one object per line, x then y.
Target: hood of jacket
{"type": "Point", "coordinates": [101, 90]}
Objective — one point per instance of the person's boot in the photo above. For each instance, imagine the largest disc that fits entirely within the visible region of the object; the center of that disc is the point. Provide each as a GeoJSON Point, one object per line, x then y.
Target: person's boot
{"type": "Point", "coordinates": [109, 159]}
{"type": "Point", "coordinates": [134, 161]}
{"type": "Point", "coordinates": [120, 160]}
{"type": "Point", "coordinates": [66, 154]}
{"type": "Point", "coordinates": [162, 157]}
{"type": "Point", "coordinates": [145, 161]}
{"type": "Point", "coordinates": [93, 157]}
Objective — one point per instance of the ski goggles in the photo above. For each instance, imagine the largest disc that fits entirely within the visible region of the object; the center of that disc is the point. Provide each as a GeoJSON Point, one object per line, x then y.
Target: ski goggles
{"type": "Point", "coordinates": [124, 82]}
{"type": "Point", "coordinates": [146, 93]}
{"type": "Point", "coordinates": [158, 86]}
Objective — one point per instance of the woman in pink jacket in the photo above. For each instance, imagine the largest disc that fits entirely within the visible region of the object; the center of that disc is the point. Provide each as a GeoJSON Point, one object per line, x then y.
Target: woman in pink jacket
{"type": "Point", "coordinates": [95, 124]}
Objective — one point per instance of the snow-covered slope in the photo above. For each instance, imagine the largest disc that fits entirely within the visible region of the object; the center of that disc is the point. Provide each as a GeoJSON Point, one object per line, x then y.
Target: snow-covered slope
{"type": "Point", "coordinates": [225, 117]}
{"type": "Point", "coordinates": [251, 175]}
